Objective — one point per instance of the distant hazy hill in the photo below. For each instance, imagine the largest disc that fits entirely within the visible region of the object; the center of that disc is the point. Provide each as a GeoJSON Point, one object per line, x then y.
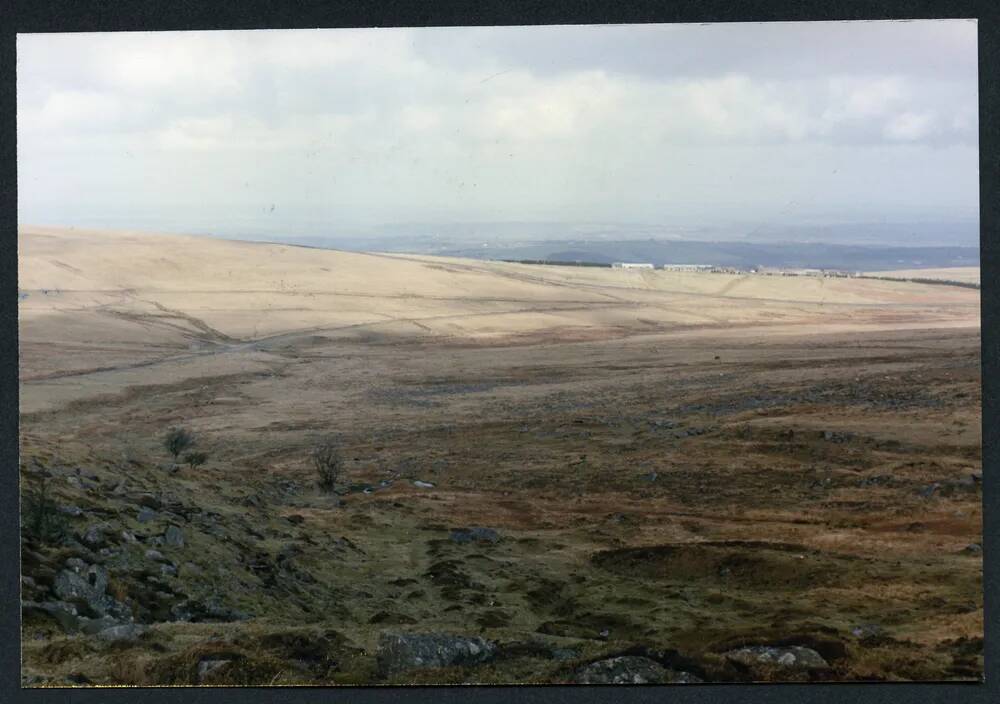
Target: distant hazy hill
{"type": "Point", "coordinates": [855, 246]}
{"type": "Point", "coordinates": [954, 233]}
{"type": "Point", "coordinates": [737, 254]}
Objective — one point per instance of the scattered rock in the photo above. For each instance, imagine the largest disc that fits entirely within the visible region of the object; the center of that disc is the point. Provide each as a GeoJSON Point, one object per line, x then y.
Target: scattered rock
{"type": "Point", "coordinates": [146, 515]}
{"type": "Point", "coordinates": [96, 625]}
{"type": "Point", "coordinates": [155, 556]}
{"type": "Point", "coordinates": [929, 490]}
{"type": "Point", "coordinates": [87, 587]}
{"type": "Point", "coordinates": [968, 483]}
{"type": "Point", "coordinates": [73, 511]}
{"type": "Point", "coordinates": [295, 519]}
{"type": "Point", "coordinates": [126, 632]}
{"type": "Point", "coordinates": [174, 537]}
{"type": "Point", "coordinates": [181, 612]}
{"type": "Point", "coordinates": [422, 484]}
{"type": "Point", "coordinates": [879, 480]}
{"type": "Point", "coordinates": [63, 613]}
{"type": "Point", "coordinates": [565, 654]}
{"type": "Point", "coordinates": [210, 610]}
{"type": "Point", "coordinates": [478, 534]}
{"type": "Point", "coordinates": [215, 611]}
{"type": "Point", "coordinates": [94, 536]}
{"type": "Point", "coordinates": [207, 667]}
{"type": "Point", "coordinates": [868, 633]}
{"type": "Point", "coordinates": [149, 501]}
{"type": "Point", "coordinates": [836, 436]}
{"type": "Point", "coordinates": [399, 652]}
{"type": "Point", "coordinates": [168, 570]}
{"type": "Point", "coordinates": [973, 549]}
{"type": "Point", "coordinates": [190, 569]}
{"type": "Point", "coordinates": [630, 669]}
{"type": "Point", "coordinates": [88, 474]}
{"type": "Point", "coordinates": [791, 657]}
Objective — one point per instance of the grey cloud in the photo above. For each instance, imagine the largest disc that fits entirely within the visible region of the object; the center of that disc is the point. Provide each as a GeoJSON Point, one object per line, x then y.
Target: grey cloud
{"type": "Point", "coordinates": [559, 123]}
{"type": "Point", "coordinates": [929, 49]}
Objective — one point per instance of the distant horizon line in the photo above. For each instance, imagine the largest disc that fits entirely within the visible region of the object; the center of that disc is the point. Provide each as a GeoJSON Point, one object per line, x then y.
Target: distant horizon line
{"type": "Point", "coordinates": [261, 238]}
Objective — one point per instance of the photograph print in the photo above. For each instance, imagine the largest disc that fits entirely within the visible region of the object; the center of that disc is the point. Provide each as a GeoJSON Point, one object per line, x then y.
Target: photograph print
{"type": "Point", "coordinates": [585, 354]}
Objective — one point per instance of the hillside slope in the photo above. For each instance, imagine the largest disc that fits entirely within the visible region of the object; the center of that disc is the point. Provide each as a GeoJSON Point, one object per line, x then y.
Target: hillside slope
{"type": "Point", "coordinates": [94, 302]}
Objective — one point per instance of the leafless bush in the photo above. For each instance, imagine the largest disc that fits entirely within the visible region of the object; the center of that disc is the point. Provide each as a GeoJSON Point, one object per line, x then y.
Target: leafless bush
{"type": "Point", "coordinates": [178, 440]}
{"type": "Point", "coordinates": [327, 463]}
{"type": "Point", "coordinates": [195, 459]}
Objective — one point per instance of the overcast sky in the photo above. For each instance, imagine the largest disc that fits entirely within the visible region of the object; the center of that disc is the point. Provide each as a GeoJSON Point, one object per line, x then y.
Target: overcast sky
{"type": "Point", "coordinates": [287, 131]}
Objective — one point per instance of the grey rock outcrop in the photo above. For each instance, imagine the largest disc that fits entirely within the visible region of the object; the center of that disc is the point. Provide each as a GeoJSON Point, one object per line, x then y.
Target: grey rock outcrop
{"type": "Point", "coordinates": [207, 667]}
{"type": "Point", "coordinates": [63, 613]}
{"type": "Point", "coordinates": [478, 535]}
{"type": "Point", "coordinates": [174, 537]}
{"type": "Point", "coordinates": [399, 652]}
{"type": "Point", "coordinates": [627, 669]}
{"type": "Point", "coordinates": [631, 669]}
{"type": "Point", "coordinates": [86, 586]}
{"type": "Point", "coordinates": [126, 632]}
{"type": "Point", "coordinates": [94, 537]}
{"type": "Point", "coordinates": [793, 657]}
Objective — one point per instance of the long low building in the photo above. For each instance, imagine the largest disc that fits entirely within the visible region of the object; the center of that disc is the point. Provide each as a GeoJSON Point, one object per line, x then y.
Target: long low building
{"type": "Point", "coordinates": [632, 265]}
{"type": "Point", "coordinates": [687, 267]}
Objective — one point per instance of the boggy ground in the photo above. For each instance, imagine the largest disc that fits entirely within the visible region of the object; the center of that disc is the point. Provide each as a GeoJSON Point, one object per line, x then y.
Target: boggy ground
{"type": "Point", "coordinates": [673, 495]}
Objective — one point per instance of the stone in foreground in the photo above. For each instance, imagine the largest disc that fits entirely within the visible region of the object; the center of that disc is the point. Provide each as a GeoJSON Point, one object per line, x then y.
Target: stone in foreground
{"type": "Point", "coordinates": [399, 652]}
{"type": "Point", "coordinates": [126, 632]}
{"type": "Point", "coordinates": [631, 669]}
{"type": "Point", "coordinates": [478, 535]}
{"type": "Point", "coordinates": [792, 657]}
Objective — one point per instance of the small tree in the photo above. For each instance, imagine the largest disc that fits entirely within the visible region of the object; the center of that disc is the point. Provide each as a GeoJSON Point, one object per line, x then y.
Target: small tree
{"type": "Point", "coordinates": [326, 460]}
{"type": "Point", "coordinates": [40, 517]}
{"type": "Point", "coordinates": [195, 459]}
{"type": "Point", "coordinates": [178, 440]}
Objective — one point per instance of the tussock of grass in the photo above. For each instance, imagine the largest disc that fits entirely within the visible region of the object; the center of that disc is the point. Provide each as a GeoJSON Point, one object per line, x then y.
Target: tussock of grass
{"type": "Point", "coordinates": [182, 668]}
{"type": "Point", "coordinates": [64, 649]}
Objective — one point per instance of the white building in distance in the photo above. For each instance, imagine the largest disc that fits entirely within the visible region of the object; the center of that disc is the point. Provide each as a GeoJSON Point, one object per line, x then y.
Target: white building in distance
{"type": "Point", "coordinates": [687, 267]}
{"type": "Point", "coordinates": [632, 265]}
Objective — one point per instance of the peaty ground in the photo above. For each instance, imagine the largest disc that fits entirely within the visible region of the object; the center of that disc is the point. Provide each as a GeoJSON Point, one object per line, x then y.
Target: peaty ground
{"type": "Point", "coordinates": [674, 464]}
